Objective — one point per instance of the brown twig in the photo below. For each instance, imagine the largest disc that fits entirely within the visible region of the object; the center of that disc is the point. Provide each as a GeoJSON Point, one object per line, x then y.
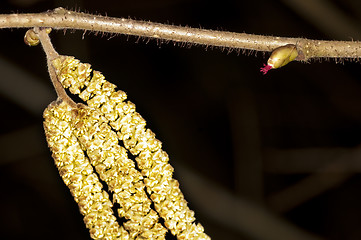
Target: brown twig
{"type": "Point", "coordinates": [51, 54]}
{"type": "Point", "coordinates": [61, 18]}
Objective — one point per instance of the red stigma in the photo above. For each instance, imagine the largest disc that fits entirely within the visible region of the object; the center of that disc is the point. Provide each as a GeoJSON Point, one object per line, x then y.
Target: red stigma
{"type": "Point", "coordinates": [265, 68]}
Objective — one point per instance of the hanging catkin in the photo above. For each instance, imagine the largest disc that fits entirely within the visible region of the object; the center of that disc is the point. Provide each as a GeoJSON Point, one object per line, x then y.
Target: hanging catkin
{"type": "Point", "coordinates": [107, 136]}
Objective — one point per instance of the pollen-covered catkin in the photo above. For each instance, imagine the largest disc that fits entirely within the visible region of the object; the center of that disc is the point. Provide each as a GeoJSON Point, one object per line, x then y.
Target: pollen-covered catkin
{"type": "Point", "coordinates": [115, 168]}
{"type": "Point", "coordinates": [131, 131]}
{"type": "Point", "coordinates": [77, 173]}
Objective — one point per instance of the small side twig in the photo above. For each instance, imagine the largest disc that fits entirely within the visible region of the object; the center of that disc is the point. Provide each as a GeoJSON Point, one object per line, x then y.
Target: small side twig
{"type": "Point", "coordinates": [51, 54]}
{"type": "Point", "coordinates": [61, 18]}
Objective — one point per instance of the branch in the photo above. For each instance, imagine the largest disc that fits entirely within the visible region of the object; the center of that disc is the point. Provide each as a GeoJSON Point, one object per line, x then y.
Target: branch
{"type": "Point", "coordinates": [51, 54]}
{"type": "Point", "coordinates": [61, 18]}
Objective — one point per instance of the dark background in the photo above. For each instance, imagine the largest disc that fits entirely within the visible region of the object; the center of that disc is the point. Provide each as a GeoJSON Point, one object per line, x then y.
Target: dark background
{"type": "Point", "coordinates": [258, 157]}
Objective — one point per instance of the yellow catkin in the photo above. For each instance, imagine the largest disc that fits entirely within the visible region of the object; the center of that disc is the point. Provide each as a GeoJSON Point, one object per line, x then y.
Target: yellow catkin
{"type": "Point", "coordinates": [131, 130]}
{"type": "Point", "coordinates": [77, 173]}
{"type": "Point", "coordinates": [115, 168]}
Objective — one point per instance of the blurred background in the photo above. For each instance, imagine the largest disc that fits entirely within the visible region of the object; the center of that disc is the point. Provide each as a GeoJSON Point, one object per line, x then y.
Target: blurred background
{"type": "Point", "coordinates": [263, 157]}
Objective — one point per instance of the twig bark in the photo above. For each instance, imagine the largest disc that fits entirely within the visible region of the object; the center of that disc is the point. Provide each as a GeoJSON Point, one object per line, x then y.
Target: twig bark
{"type": "Point", "coordinates": [51, 54]}
{"type": "Point", "coordinates": [61, 18]}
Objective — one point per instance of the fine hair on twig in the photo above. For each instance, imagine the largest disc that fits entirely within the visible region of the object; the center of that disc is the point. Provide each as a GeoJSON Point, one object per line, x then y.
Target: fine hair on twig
{"type": "Point", "coordinates": [61, 18]}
